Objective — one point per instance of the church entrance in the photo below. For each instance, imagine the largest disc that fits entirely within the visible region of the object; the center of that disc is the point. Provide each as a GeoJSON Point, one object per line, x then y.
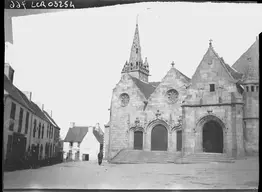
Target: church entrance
{"type": "Point", "coordinates": [138, 140]}
{"type": "Point", "coordinates": [212, 137]}
{"type": "Point", "coordinates": [159, 138]}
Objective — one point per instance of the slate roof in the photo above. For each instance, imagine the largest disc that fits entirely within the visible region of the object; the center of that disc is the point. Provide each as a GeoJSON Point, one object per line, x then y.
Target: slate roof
{"type": "Point", "coordinates": [76, 134]}
{"type": "Point", "coordinates": [39, 112]}
{"type": "Point", "coordinates": [247, 64]}
{"type": "Point", "coordinates": [99, 137]}
{"type": "Point", "coordinates": [146, 88]}
{"type": "Point", "coordinates": [14, 92]}
{"type": "Point", "coordinates": [236, 75]}
{"type": "Point", "coordinates": [51, 119]}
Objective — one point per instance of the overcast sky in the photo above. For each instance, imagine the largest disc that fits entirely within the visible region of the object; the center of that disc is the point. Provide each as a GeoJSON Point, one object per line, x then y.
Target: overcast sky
{"type": "Point", "coordinates": [72, 60]}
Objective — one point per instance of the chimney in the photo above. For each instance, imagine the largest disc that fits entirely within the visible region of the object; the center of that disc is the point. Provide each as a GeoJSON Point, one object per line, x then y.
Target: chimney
{"type": "Point", "coordinates": [72, 124]}
{"type": "Point", "coordinates": [28, 94]}
{"type": "Point", "coordinates": [9, 72]}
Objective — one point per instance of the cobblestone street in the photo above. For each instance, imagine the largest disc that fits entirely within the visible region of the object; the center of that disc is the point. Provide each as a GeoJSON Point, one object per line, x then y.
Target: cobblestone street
{"type": "Point", "coordinates": [243, 174]}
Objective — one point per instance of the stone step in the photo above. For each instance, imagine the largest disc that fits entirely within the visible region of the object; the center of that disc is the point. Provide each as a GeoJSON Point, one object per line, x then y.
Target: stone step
{"type": "Point", "coordinates": [204, 158]}
{"type": "Point", "coordinates": [140, 156]}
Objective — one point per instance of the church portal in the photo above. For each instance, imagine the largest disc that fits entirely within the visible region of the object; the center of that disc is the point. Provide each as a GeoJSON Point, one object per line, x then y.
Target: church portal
{"type": "Point", "coordinates": [212, 137]}
{"type": "Point", "coordinates": [159, 138]}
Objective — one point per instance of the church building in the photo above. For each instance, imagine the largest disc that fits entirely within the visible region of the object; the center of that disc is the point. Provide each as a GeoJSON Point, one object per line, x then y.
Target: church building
{"type": "Point", "coordinates": [216, 111]}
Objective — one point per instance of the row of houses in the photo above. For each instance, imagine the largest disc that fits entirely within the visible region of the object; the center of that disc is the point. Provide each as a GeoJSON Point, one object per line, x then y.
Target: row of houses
{"type": "Point", "coordinates": [28, 129]}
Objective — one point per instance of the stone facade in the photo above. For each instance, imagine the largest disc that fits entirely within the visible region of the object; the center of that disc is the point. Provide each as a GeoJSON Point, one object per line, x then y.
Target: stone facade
{"type": "Point", "coordinates": [216, 94]}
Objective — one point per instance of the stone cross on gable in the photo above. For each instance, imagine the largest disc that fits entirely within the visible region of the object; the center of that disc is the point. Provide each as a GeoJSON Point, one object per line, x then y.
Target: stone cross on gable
{"type": "Point", "coordinates": [158, 114]}
{"type": "Point", "coordinates": [210, 42]}
{"type": "Point", "coordinates": [173, 63]}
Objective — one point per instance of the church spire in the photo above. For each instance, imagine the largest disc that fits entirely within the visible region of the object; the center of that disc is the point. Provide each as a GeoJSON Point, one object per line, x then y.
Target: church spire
{"type": "Point", "coordinates": [136, 67]}
{"type": "Point", "coordinates": [135, 55]}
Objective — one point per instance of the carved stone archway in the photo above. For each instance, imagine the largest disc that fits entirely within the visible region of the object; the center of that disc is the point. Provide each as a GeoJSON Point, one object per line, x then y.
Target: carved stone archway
{"type": "Point", "coordinates": [199, 131]}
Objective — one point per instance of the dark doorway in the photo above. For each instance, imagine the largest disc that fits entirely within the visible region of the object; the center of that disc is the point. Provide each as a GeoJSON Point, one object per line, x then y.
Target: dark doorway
{"type": "Point", "coordinates": [159, 138]}
{"type": "Point", "coordinates": [138, 140]}
{"type": "Point", "coordinates": [85, 157]}
{"type": "Point", "coordinates": [212, 137]}
{"type": "Point", "coordinates": [179, 140]}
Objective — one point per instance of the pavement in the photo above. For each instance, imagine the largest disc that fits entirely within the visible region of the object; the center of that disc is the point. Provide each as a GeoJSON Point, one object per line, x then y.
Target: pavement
{"type": "Point", "coordinates": [243, 174]}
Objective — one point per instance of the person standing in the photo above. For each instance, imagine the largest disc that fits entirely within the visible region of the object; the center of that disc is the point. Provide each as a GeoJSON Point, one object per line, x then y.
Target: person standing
{"type": "Point", "coordinates": [100, 157]}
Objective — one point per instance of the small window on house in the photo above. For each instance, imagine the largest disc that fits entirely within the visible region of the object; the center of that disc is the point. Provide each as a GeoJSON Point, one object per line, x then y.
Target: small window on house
{"type": "Point", "coordinates": [136, 50]}
{"type": "Point", "coordinates": [71, 144]}
{"type": "Point", "coordinates": [257, 88]}
{"type": "Point", "coordinates": [26, 122]}
{"type": "Point", "coordinates": [252, 88]}
{"type": "Point", "coordinates": [20, 120]}
{"type": "Point", "coordinates": [212, 87]}
{"type": "Point", "coordinates": [247, 88]}
{"type": "Point", "coordinates": [12, 116]}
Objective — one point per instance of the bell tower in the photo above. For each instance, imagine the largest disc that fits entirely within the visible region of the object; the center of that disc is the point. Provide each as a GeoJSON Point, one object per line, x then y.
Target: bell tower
{"type": "Point", "coordinates": [136, 67]}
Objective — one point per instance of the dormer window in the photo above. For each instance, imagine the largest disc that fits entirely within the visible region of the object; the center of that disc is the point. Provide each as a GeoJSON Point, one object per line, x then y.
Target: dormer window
{"type": "Point", "coordinates": [212, 87]}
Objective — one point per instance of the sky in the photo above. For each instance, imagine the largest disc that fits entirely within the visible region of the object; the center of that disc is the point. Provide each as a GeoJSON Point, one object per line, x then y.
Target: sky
{"type": "Point", "coordinates": [72, 60]}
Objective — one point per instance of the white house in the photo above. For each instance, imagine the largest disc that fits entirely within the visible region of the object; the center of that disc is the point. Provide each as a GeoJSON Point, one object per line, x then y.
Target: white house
{"type": "Point", "coordinates": [82, 143]}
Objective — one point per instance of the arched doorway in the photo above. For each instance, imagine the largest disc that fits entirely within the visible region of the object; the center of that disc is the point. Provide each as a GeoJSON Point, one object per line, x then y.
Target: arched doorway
{"type": "Point", "coordinates": [212, 137]}
{"type": "Point", "coordinates": [159, 138]}
{"type": "Point", "coordinates": [138, 140]}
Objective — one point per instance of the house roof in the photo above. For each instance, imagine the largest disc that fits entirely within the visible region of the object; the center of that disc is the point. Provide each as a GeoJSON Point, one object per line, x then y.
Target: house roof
{"type": "Point", "coordinates": [14, 92]}
{"type": "Point", "coordinates": [247, 64]}
{"type": "Point", "coordinates": [98, 136]}
{"type": "Point", "coordinates": [146, 88]}
{"type": "Point", "coordinates": [51, 119]}
{"type": "Point", "coordinates": [76, 134]}
{"type": "Point", "coordinates": [39, 112]}
{"type": "Point", "coordinates": [236, 75]}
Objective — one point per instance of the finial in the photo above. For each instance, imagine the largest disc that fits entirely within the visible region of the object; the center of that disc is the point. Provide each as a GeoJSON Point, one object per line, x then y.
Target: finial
{"type": "Point", "coordinates": [137, 19]}
{"type": "Point", "coordinates": [210, 42]}
{"type": "Point", "coordinates": [173, 63]}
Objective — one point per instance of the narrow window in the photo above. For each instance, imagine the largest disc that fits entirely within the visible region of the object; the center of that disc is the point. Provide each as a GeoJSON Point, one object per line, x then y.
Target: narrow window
{"type": "Point", "coordinates": [43, 128]}
{"type": "Point", "coordinates": [71, 144]}
{"type": "Point", "coordinates": [12, 117]}
{"type": "Point", "coordinates": [212, 87]}
{"type": "Point", "coordinates": [136, 50]}
{"type": "Point", "coordinates": [252, 88]}
{"type": "Point", "coordinates": [47, 130]}
{"type": "Point", "coordinates": [257, 88]}
{"type": "Point", "coordinates": [20, 120]}
{"type": "Point", "coordinates": [26, 122]}
{"type": "Point", "coordinates": [34, 128]}
{"type": "Point", "coordinates": [39, 130]}
{"type": "Point", "coordinates": [78, 144]}
{"type": "Point", "coordinates": [247, 88]}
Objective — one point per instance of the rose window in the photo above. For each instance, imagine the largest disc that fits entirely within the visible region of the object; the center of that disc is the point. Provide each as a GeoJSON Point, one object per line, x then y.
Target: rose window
{"type": "Point", "coordinates": [124, 98]}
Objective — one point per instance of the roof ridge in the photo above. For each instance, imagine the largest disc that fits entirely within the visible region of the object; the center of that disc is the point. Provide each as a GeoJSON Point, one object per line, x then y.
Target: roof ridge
{"type": "Point", "coordinates": [222, 62]}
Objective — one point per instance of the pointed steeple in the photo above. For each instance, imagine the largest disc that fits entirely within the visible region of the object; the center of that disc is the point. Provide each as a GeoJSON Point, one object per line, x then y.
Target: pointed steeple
{"type": "Point", "coordinates": [135, 55]}
{"type": "Point", "coordinates": [136, 67]}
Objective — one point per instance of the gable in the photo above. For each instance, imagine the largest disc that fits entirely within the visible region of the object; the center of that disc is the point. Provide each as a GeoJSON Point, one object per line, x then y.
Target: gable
{"type": "Point", "coordinates": [212, 68]}
{"type": "Point", "coordinates": [174, 79]}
